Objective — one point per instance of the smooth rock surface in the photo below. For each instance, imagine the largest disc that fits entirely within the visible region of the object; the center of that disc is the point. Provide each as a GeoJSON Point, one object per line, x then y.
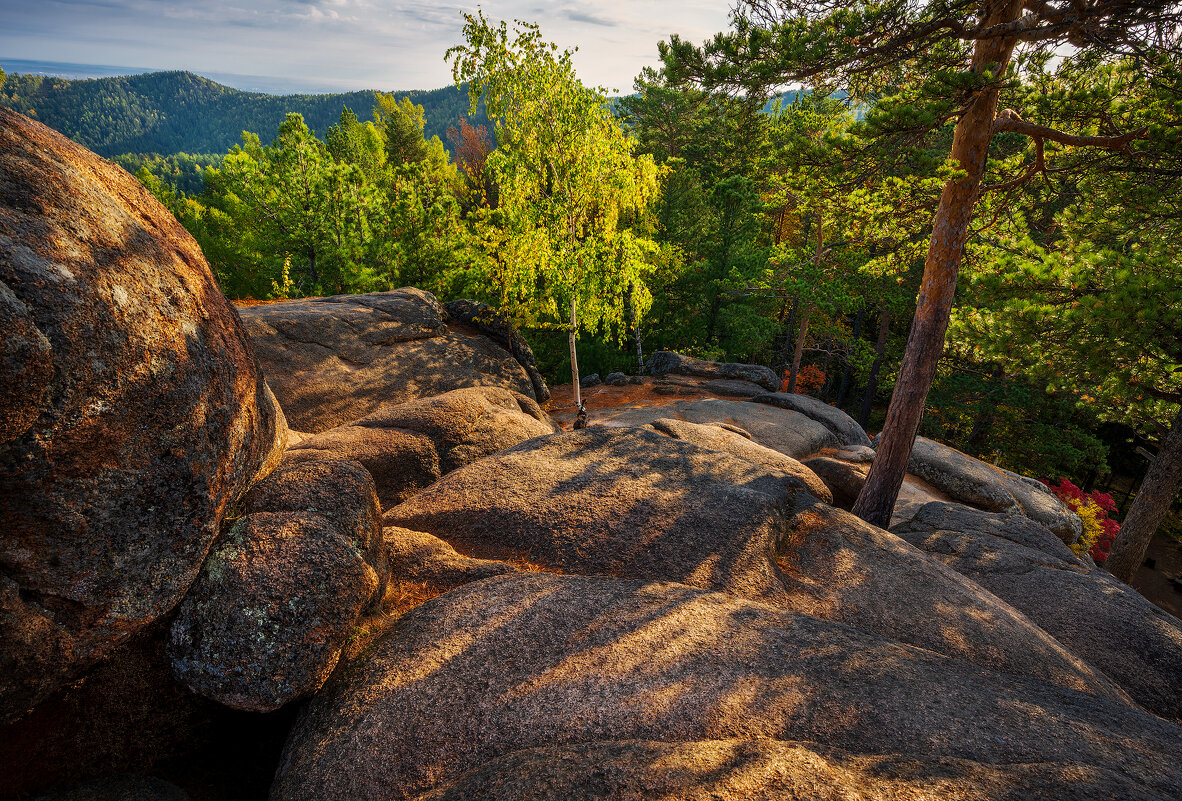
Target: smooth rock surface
{"type": "Point", "coordinates": [423, 566]}
{"type": "Point", "coordinates": [741, 770]}
{"type": "Point", "coordinates": [266, 620]}
{"type": "Point", "coordinates": [665, 362]}
{"type": "Point", "coordinates": [735, 388]}
{"type": "Point", "coordinates": [849, 434]}
{"type": "Point", "coordinates": [333, 360]}
{"type": "Point", "coordinates": [1102, 620]}
{"type": "Point", "coordinates": [409, 446]}
{"type": "Point", "coordinates": [540, 661]}
{"type": "Point", "coordinates": [729, 441]}
{"type": "Point", "coordinates": [791, 433]}
{"type": "Point", "coordinates": [625, 502]}
{"type": "Point", "coordinates": [133, 415]}
{"type": "Point", "coordinates": [633, 504]}
{"type": "Point", "coordinates": [840, 568]}
{"type": "Point", "coordinates": [989, 488]}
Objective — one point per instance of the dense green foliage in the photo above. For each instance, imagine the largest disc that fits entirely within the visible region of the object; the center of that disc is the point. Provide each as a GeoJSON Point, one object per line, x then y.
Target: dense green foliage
{"type": "Point", "coordinates": [790, 234]}
{"type": "Point", "coordinates": [174, 112]}
{"type": "Point", "coordinates": [565, 255]}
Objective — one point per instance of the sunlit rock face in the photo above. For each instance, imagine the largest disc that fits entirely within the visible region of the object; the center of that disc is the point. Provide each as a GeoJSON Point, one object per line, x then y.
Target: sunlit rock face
{"type": "Point", "coordinates": [1098, 617]}
{"type": "Point", "coordinates": [134, 410]}
{"type": "Point", "coordinates": [334, 360]}
{"type": "Point", "coordinates": [649, 677]}
{"type": "Point", "coordinates": [632, 503]}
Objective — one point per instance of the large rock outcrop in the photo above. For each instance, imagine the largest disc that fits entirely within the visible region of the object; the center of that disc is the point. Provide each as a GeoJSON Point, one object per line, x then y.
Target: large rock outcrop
{"type": "Point", "coordinates": [538, 661]}
{"type": "Point", "coordinates": [271, 611]}
{"type": "Point", "coordinates": [738, 443]}
{"type": "Point", "coordinates": [665, 362]}
{"type": "Point", "coordinates": [333, 360]}
{"type": "Point", "coordinates": [1098, 617]}
{"type": "Point", "coordinates": [408, 446]}
{"type": "Point", "coordinates": [626, 502]}
{"type": "Point", "coordinates": [633, 504]}
{"type": "Point", "coordinates": [738, 769]}
{"type": "Point", "coordinates": [989, 488]}
{"type": "Point", "coordinates": [133, 414]}
{"type": "Point", "coordinates": [849, 434]}
{"type": "Point", "coordinates": [492, 323]}
{"type": "Point", "coordinates": [791, 433]}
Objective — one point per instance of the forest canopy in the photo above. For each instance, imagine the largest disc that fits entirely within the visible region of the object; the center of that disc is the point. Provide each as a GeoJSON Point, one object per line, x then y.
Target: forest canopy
{"type": "Point", "coordinates": [787, 228]}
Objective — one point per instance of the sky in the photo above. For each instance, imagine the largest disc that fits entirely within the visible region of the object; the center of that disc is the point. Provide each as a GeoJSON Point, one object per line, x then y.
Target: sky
{"type": "Point", "coordinates": [336, 45]}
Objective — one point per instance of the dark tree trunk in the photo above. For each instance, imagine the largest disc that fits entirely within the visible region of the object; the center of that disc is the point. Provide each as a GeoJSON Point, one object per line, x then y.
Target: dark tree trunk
{"type": "Point", "coordinates": [785, 360]}
{"type": "Point", "coordinates": [799, 352]}
{"type": "Point", "coordinates": [848, 373]}
{"type": "Point", "coordinates": [884, 330]}
{"type": "Point", "coordinates": [950, 231]}
{"type": "Point", "coordinates": [1153, 500]}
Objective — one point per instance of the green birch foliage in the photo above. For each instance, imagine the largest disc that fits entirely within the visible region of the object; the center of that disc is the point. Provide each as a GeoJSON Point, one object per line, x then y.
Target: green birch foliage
{"type": "Point", "coordinates": [569, 184]}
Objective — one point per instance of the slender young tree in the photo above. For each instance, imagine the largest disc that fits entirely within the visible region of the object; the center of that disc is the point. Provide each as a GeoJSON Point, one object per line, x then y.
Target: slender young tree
{"type": "Point", "coordinates": [566, 175]}
{"type": "Point", "coordinates": [940, 62]}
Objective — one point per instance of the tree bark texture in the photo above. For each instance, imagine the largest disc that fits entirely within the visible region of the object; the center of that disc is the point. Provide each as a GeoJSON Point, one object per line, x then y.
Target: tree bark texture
{"type": "Point", "coordinates": [1153, 500]}
{"type": "Point", "coordinates": [950, 231]}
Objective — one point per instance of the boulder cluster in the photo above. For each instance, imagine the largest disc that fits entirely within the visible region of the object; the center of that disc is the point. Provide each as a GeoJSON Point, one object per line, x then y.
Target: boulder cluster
{"type": "Point", "coordinates": [334, 548]}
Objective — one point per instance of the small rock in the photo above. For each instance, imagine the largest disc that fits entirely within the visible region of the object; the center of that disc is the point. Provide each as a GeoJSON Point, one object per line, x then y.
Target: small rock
{"type": "Point", "coordinates": [408, 446]}
{"type": "Point", "coordinates": [844, 427]}
{"type": "Point", "coordinates": [274, 604]}
{"type": "Point", "coordinates": [664, 362]}
{"type": "Point", "coordinates": [592, 380]}
{"type": "Point", "coordinates": [616, 379]}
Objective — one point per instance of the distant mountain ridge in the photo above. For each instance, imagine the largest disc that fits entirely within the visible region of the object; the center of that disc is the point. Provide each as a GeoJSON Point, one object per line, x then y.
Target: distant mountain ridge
{"type": "Point", "coordinates": [174, 112]}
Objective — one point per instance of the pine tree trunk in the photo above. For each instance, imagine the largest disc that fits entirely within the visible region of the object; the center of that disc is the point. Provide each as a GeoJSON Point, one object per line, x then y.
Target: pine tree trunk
{"type": "Point", "coordinates": [1153, 500]}
{"type": "Point", "coordinates": [950, 231]}
{"type": "Point", "coordinates": [884, 330]}
{"type": "Point", "coordinates": [799, 352]}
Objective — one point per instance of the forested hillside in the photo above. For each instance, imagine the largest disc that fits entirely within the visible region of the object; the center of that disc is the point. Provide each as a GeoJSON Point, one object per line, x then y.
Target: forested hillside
{"type": "Point", "coordinates": [174, 112]}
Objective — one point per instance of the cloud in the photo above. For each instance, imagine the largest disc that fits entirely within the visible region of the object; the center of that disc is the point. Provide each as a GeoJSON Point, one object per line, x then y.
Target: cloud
{"type": "Point", "coordinates": [382, 44]}
{"type": "Point", "coordinates": [591, 19]}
